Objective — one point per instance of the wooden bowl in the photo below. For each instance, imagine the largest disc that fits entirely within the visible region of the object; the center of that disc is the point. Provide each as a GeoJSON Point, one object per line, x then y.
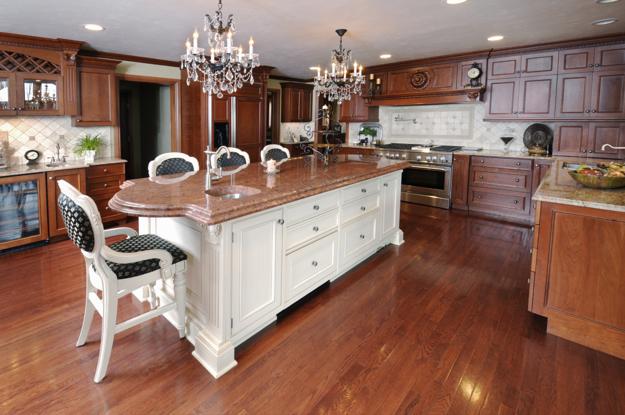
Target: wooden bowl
{"type": "Point", "coordinates": [598, 182]}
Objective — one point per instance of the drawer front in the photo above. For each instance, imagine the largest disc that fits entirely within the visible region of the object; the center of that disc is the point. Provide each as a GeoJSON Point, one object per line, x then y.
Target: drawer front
{"type": "Point", "coordinates": [309, 207]}
{"type": "Point", "coordinates": [310, 229]}
{"type": "Point", "coordinates": [359, 190]}
{"type": "Point", "coordinates": [358, 237]}
{"type": "Point", "coordinates": [105, 170]}
{"type": "Point", "coordinates": [498, 201]}
{"type": "Point", "coordinates": [360, 207]}
{"type": "Point", "coordinates": [104, 184]}
{"type": "Point", "coordinates": [105, 211]}
{"type": "Point", "coordinates": [520, 180]}
{"type": "Point", "coordinates": [310, 266]}
{"type": "Point", "coordinates": [502, 162]}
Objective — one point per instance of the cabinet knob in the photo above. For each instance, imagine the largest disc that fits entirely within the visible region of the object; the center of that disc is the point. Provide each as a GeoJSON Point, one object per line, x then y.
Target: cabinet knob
{"type": "Point", "coordinates": [105, 170]}
{"type": "Point", "coordinates": [315, 228]}
{"type": "Point", "coordinates": [587, 111]}
{"type": "Point", "coordinates": [482, 161]}
{"type": "Point", "coordinates": [362, 236]}
{"type": "Point", "coordinates": [583, 151]}
{"type": "Point", "coordinates": [363, 208]}
{"type": "Point", "coordinates": [590, 65]}
{"type": "Point", "coordinates": [106, 208]}
{"type": "Point", "coordinates": [363, 190]}
{"type": "Point", "coordinates": [590, 151]}
{"type": "Point", "coordinates": [280, 221]}
{"type": "Point", "coordinates": [517, 180]}
{"type": "Point", "coordinates": [385, 185]}
{"type": "Point", "coordinates": [594, 110]}
{"type": "Point", "coordinates": [315, 263]}
{"type": "Point", "coordinates": [106, 185]}
{"type": "Point", "coordinates": [316, 207]}
{"type": "Point", "coordinates": [516, 202]}
{"type": "Point", "coordinates": [481, 177]}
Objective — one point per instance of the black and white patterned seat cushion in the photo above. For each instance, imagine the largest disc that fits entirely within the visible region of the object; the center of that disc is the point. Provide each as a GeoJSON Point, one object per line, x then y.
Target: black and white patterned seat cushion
{"type": "Point", "coordinates": [77, 223]}
{"type": "Point", "coordinates": [173, 166]}
{"type": "Point", "coordinates": [275, 154]}
{"type": "Point", "coordinates": [142, 243]}
{"type": "Point", "coordinates": [235, 160]}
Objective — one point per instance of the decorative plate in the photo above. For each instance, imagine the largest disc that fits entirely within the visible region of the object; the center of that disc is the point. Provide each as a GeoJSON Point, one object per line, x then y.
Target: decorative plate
{"type": "Point", "coordinates": [538, 136]}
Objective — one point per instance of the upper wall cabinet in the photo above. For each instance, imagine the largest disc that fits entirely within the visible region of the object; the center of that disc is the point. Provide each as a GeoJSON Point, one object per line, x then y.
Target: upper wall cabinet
{"type": "Point", "coordinates": [296, 102]}
{"type": "Point", "coordinates": [98, 92]}
{"type": "Point", "coordinates": [534, 64]}
{"type": "Point", "coordinates": [37, 76]}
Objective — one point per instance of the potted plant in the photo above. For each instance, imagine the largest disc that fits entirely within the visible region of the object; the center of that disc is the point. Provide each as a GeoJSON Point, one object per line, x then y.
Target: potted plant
{"type": "Point", "coordinates": [369, 133]}
{"type": "Point", "coordinates": [87, 146]}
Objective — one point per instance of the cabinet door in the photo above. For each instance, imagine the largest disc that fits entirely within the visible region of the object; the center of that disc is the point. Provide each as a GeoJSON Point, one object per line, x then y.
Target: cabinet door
{"type": "Point", "coordinates": [576, 60]}
{"type": "Point", "coordinates": [75, 177]}
{"type": "Point", "coordinates": [8, 96]}
{"type": "Point", "coordinates": [544, 63]}
{"type": "Point", "coordinates": [256, 268]}
{"type": "Point", "coordinates": [221, 109]}
{"type": "Point", "coordinates": [39, 94]}
{"type": "Point", "coordinates": [505, 67]}
{"type": "Point", "coordinates": [305, 107]}
{"type": "Point", "coordinates": [606, 133]}
{"type": "Point", "coordinates": [290, 105]}
{"type": "Point", "coordinates": [570, 139]}
{"type": "Point", "coordinates": [574, 95]}
{"type": "Point", "coordinates": [359, 109]}
{"type": "Point", "coordinates": [608, 95]}
{"type": "Point", "coordinates": [460, 182]}
{"type": "Point", "coordinates": [391, 192]}
{"type": "Point", "coordinates": [248, 130]}
{"type": "Point", "coordinates": [537, 97]}
{"type": "Point", "coordinates": [98, 98]}
{"type": "Point", "coordinates": [539, 171]}
{"type": "Point", "coordinates": [610, 57]}
{"type": "Point", "coordinates": [503, 98]}
{"type": "Point", "coordinates": [345, 111]}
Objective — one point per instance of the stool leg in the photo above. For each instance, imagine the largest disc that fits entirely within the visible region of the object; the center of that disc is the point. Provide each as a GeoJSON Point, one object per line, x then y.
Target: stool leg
{"type": "Point", "coordinates": [109, 319]}
{"type": "Point", "coordinates": [89, 311]}
{"type": "Point", "coordinates": [180, 293]}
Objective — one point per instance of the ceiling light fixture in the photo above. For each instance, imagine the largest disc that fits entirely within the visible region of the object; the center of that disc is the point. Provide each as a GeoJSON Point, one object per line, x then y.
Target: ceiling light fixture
{"type": "Point", "coordinates": [315, 68]}
{"type": "Point", "coordinates": [93, 27]}
{"type": "Point", "coordinates": [385, 56]}
{"type": "Point", "coordinates": [454, 1]}
{"type": "Point", "coordinates": [495, 38]}
{"type": "Point", "coordinates": [228, 67]}
{"type": "Point", "coordinates": [603, 22]}
{"type": "Point", "coordinates": [339, 85]}
{"type": "Point", "coordinates": [607, 1]}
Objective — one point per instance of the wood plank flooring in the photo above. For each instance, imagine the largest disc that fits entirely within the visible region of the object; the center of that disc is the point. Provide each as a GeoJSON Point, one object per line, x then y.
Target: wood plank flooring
{"type": "Point", "coordinates": [436, 326]}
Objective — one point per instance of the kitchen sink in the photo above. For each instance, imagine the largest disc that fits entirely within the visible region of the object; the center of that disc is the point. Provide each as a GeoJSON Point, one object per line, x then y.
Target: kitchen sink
{"type": "Point", "coordinates": [232, 192]}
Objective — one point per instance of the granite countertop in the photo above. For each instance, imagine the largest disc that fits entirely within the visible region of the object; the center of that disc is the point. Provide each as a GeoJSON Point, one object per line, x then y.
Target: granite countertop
{"type": "Point", "coordinates": [559, 187]}
{"type": "Point", "coordinates": [501, 153]}
{"type": "Point", "coordinates": [42, 168]}
{"type": "Point", "coordinates": [184, 195]}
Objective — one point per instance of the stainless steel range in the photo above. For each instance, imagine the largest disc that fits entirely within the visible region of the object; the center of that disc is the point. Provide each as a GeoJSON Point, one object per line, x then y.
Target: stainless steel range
{"type": "Point", "coordinates": [428, 179]}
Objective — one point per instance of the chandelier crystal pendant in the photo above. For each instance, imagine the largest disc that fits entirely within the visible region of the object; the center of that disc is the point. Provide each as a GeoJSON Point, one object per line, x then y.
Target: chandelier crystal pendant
{"type": "Point", "coordinates": [340, 84]}
{"type": "Point", "coordinates": [227, 67]}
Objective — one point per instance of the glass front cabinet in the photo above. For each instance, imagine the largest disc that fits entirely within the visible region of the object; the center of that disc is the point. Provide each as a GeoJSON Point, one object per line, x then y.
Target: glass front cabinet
{"type": "Point", "coordinates": [23, 211]}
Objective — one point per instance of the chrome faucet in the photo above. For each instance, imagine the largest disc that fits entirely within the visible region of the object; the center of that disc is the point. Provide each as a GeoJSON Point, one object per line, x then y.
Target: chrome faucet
{"type": "Point", "coordinates": [210, 169]}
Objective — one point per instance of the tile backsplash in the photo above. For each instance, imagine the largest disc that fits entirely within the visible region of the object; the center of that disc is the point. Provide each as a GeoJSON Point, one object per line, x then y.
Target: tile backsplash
{"type": "Point", "coordinates": [291, 131]}
{"type": "Point", "coordinates": [461, 124]}
{"type": "Point", "coordinates": [43, 133]}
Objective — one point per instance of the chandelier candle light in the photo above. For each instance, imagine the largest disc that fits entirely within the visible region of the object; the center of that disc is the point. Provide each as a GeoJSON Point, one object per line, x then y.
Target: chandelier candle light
{"type": "Point", "coordinates": [228, 67]}
{"type": "Point", "coordinates": [339, 85]}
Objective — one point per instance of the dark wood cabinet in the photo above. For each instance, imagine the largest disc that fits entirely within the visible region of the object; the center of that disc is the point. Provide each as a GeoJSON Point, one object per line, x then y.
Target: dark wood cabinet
{"type": "Point", "coordinates": [576, 60]}
{"type": "Point", "coordinates": [569, 139]}
{"type": "Point", "coordinates": [103, 182]}
{"type": "Point", "coordinates": [248, 127]}
{"type": "Point", "coordinates": [460, 182]}
{"type": "Point", "coordinates": [542, 63]}
{"type": "Point", "coordinates": [504, 67]}
{"type": "Point", "coordinates": [354, 110]}
{"type": "Point", "coordinates": [503, 97]}
{"type": "Point", "coordinates": [608, 94]}
{"type": "Point", "coordinates": [610, 57]}
{"type": "Point", "coordinates": [574, 97]}
{"type": "Point", "coordinates": [539, 171]}
{"type": "Point", "coordinates": [422, 79]}
{"type": "Point", "coordinates": [75, 177]}
{"type": "Point", "coordinates": [606, 133]}
{"type": "Point", "coordinates": [296, 102]}
{"type": "Point", "coordinates": [221, 109]}
{"type": "Point", "coordinates": [537, 97]}
{"type": "Point", "coordinates": [98, 92]}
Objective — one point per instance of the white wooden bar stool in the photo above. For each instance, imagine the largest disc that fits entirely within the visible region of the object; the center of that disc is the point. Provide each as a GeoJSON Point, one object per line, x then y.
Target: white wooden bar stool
{"type": "Point", "coordinates": [274, 152]}
{"type": "Point", "coordinates": [237, 158]}
{"type": "Point", "coordinates": [172, 163]}
{"type": "Point", "coordinates": [118, 269]}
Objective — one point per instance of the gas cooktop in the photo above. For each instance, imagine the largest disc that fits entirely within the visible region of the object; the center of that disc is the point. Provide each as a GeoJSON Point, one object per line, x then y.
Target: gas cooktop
{"type": "Point", "coordinates": [419, 147]}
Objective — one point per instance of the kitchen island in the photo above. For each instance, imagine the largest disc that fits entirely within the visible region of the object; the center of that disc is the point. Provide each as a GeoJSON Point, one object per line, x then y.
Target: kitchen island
{"type": "Point", "coordinates": [577, 275]}
{"type": "Point", "coordinates": [258, 243]}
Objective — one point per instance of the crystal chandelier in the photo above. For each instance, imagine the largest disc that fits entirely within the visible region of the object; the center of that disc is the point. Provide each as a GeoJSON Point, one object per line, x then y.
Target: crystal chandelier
{"type": "Point", "coordinates": [227, 67]}
{"type": "Point", "coordinates": [339, 85]}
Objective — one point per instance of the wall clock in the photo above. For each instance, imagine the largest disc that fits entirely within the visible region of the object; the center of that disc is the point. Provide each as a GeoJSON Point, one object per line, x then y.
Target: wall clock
{"type": "Point", "coordinates": [474, 74]}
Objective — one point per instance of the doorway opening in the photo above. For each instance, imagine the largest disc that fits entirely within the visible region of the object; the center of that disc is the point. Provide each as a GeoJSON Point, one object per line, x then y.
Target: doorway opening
{"type": "Point", "coordinates": [272, 135]}
{"type": "Point", "coordinates": [146, 123]}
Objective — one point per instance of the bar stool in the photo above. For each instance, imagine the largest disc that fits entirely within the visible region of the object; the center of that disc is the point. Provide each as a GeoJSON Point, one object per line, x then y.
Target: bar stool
{"type": "Point", "coordinates": [237, 158]}
{"type": "Point", "coordinates": [274, 152]}
{"type": "Point", "coordinates": [118, 269]}
{"type": "Point", "coordinates": [172, 163]}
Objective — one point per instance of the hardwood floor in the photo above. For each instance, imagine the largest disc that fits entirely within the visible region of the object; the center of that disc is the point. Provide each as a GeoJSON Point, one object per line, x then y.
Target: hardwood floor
{"type": "Point", "coordinates": [436, 326]}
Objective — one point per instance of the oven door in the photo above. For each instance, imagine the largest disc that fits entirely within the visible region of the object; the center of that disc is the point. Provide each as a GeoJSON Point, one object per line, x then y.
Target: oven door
{"type": "Point", "coordinates": [428, 185]}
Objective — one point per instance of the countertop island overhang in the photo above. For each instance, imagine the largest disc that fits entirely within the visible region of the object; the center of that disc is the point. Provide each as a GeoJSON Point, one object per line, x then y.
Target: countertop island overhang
{"type": "Point", "coordinates": [250, 258]}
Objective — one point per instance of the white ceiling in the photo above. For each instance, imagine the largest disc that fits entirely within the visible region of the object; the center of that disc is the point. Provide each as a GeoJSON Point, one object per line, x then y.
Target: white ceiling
{"type": "Point", "coordinates": [293, 35]}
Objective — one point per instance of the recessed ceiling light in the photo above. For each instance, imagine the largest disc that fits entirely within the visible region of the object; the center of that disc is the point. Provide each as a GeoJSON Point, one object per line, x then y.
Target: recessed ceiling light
{"type": "Point", "coordinates": [454, 1]}
{"type": "Point", "coordinates": [495, 38]}
{"type": "Point", "coordinates": [607, 1]}
{"type": "Point", "coordinates": [603, 22]}
{"type": "Point", "coordinates": [385, 56]}
{"type": "Point", "coordinates": [93, 27]}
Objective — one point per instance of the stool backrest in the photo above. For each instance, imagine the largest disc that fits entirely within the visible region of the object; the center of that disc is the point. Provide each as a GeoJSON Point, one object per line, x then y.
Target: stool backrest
{"type": "Point", "coordinates": [172, 163]}
{"type": "Point", "coordinates": [274, 152]}
{"type": "Point", "coordinates": [237, 158]}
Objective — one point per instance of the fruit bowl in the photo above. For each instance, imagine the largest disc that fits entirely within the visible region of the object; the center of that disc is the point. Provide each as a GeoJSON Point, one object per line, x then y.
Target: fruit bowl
{"type": "Point", "coordinates": [598, 182]}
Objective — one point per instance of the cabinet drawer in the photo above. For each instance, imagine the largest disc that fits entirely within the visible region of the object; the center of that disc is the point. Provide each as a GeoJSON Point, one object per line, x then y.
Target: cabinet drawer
{"type": "Point", "coordinates": [358, 190]}
{"type": "Point", "coordinates": [519, 180]}
{"type": "Point", "coordinates": [310, 266]}
{"type": "Point", "coordinates": [106, 212]}
{"type": "Point", "coordinates": [103, 184]}
{"type": "Point", "coordinates": [358, 238]}
{"type": "Point", "coordinates": [309, 207]}
{"type": "Point", "coordinates": [502, 162]}
{"type": "Point", "coordinates": [360, 207]}
{"type": "Point", "coordinates": [499, 201]}
{"type": "Point", "coordinates": [307, 230]}
{"type": "Point", "coordinates": [105, 170]}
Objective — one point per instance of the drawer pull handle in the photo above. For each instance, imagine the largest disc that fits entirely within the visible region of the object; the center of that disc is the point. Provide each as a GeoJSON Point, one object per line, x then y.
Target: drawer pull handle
{"type": "Point", "coordinates": [363, 208]}
{"type": "Point", "coordinates": [482, 161]}
{"type": "Point", "coordinates": [516, 202]}
{"type": "Point", "coordinates": [280, 221]}
{"type": "Point", "coordinates": [315, 228]}
{"type": "Point", "coordinates": [518, 163]}
{"type": "Point", "coordinates": [517, 180]}
{"type": "Point", "coordinates": [316, 207]}
{"type": "Point", "coordinates": [363, 190]}
{"type": "Point", "coordinates": [362, 236]}
{"type": "Point", "coordinates": [315, 263]}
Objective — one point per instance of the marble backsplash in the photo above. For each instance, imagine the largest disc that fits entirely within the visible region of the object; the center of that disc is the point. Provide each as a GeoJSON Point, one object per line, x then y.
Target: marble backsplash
{"type": "Point", "coordinates": [461, 124]}
{"type": "Point", "coordinates": [291, 131]}
{"type": "Point", "coordinates": [43, 133]}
